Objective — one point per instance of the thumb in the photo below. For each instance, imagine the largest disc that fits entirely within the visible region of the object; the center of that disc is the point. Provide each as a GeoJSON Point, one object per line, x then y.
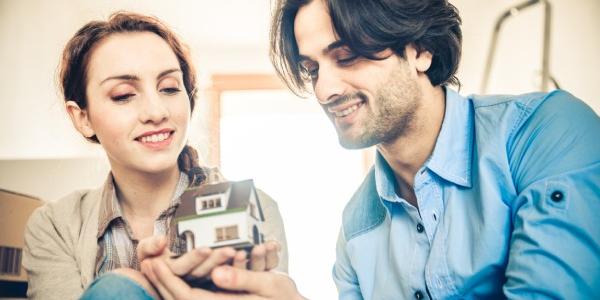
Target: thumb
{"type": "Point", "coordinates": [151, 246]}
{"type": "Point", "coordinates": [267, 284]}
{"type": "Point", "coordinates": [237, 279]}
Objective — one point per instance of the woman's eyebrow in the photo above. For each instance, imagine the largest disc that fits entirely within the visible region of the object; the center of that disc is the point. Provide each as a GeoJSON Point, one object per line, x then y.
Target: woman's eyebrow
{"type": "Point", "coordinates": [167, 72]}
{"type": "Point", "coordinates": [130, 77]}
{"type": "Point", "coordinates": [121, 77]}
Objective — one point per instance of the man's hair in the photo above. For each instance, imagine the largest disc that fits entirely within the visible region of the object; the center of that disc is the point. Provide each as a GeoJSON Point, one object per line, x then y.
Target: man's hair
{"type": "Point", "coordinates": [371, 26]}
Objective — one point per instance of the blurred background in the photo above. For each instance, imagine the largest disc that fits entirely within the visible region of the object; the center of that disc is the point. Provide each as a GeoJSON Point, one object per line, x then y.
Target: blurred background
{"type": "Point", "coordinates": [246, 122]}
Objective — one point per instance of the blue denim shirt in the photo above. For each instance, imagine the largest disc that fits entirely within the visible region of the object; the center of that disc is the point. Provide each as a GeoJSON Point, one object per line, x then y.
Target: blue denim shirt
{"type": "Point", "coordinates": [509, 206]}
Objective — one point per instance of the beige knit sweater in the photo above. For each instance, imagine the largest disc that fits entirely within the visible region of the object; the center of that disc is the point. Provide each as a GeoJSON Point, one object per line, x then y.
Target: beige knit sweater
{"type": "Point", "coordinates": [61, 245]}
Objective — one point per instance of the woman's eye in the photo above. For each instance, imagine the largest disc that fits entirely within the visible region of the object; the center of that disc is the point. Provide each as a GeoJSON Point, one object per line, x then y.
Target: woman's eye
{"type": "Point", "coordinates": [170, 91]}
{"type": "Point", "coordinates": [122, 97]}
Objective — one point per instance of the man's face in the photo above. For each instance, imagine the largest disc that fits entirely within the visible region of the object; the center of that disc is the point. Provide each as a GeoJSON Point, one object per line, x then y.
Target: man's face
{"type": "Point", "coordinates": [368, 101]}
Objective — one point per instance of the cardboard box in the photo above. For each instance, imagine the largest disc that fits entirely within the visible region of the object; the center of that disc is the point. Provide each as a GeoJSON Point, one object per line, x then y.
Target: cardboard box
{"type": "Point", "coordinates": [15, 209]}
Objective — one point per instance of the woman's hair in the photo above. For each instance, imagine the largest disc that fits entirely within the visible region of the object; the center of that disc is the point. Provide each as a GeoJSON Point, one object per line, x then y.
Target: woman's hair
{"type": "Point", "coordinates": [75, 59]}
{"type": "Point", "coordinates": [369, 27]}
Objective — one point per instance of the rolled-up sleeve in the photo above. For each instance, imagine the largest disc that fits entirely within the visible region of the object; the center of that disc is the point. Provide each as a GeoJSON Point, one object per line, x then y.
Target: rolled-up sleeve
{"type": "Point", "coordinates": [555, 241]}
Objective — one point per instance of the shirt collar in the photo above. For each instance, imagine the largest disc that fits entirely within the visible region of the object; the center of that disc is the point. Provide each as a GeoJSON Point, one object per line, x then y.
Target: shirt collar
{"type": "Point", "coordinates": [452, 155]}
{"type": "Point", "coordinates": [384, 178]}
{"type": "Point", "coordinates": [110, 208]}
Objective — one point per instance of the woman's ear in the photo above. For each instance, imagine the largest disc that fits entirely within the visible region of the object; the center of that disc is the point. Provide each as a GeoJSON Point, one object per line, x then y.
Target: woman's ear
{"type": "Point", "coordinates": [421, 60]}
{"type": "Point", "coordinates": [80, 119]}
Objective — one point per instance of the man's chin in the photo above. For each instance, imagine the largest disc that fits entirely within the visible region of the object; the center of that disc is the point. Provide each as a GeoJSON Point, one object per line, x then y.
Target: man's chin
{"type": "Point", "coordinates": [354, 142]}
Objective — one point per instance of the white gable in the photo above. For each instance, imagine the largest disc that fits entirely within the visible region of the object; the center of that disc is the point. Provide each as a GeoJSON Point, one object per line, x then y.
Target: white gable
{"type": "Point", "coordinates": [253, 205]}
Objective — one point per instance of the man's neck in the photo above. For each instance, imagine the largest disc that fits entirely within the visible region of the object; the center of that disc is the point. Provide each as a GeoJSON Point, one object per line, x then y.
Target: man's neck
{"type": "Point", "coordinates": [144, 196]}
{"type": "Point", "coordinates": [407, 154]}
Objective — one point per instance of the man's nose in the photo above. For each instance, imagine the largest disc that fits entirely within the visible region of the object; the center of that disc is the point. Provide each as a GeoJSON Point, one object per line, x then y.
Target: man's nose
{"type": "Point", "coordinates": [329, 85]}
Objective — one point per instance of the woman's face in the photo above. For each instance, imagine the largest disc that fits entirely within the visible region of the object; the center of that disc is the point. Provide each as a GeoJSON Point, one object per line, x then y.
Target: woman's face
{"type": "Point", "coordinates": [138, 106]}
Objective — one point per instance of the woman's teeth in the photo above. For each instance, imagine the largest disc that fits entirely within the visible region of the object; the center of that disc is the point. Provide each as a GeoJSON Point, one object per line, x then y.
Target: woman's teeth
{"type": "Point", "coordinates": [347, 111]}
{"type": "Point", "coordinates": [155, 138]}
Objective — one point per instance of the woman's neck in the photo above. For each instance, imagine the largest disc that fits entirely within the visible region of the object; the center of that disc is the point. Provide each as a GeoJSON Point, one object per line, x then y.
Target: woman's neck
{"type": "Point", "coordinates": [144, 196]}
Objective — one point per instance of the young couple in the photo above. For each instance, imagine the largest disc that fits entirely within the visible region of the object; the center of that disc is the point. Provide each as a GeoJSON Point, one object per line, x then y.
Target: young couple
{"type": "Point", "coordinates": [469, 197]}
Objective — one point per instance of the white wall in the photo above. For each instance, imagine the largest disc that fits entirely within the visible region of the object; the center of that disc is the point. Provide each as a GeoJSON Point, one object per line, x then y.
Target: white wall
{"type": "Point", "coordinates": [574, 48]}
{"type": "Point", "coordinates": [51, 179]}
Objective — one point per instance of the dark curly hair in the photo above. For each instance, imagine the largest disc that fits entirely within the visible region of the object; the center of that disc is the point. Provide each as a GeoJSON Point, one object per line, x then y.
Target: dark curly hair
{"type": "Point", "coordinates": [371, 26]}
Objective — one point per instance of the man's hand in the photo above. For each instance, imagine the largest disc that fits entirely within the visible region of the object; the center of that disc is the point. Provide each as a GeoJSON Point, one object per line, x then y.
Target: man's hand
{"type": "Point", "coordinates": [254, 285]}
{"type": "Point", "coordinates": [257, 285]}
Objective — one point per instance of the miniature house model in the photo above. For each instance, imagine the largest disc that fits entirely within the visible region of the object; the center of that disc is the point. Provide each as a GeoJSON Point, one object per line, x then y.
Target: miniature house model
{"type": "Point", "coordinates": [221, 214]}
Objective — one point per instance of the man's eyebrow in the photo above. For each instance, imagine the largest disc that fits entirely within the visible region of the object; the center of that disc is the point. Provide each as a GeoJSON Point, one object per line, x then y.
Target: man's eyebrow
{"type": "Point", "coordinates": [329, 48]}
{"type": "Point", "coordinates": [334, 45]}
{"type": "Point", "coordinates": [130, 77]}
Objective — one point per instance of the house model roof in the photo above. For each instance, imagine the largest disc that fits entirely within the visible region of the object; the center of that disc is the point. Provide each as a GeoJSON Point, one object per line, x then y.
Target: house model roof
{"type": "Point", "coordinates": [239, 196]}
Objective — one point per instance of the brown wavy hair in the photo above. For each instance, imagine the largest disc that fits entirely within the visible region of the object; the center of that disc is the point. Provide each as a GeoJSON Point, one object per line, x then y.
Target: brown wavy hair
{"type": "Point", "coordinates": [73, 67]}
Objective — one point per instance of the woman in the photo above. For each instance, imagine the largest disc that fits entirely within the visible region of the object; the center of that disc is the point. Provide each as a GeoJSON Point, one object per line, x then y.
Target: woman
{"type": "Point", "coordinates": [129, 84]}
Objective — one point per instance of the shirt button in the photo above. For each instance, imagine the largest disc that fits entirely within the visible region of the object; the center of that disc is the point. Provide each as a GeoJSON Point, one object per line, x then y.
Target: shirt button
{"type": "Point", "coordinates": [557, 196]}
{"type": "Point", "coordinates": [420, 228]}
{"type": "Point", "coordinates": [419, 295]}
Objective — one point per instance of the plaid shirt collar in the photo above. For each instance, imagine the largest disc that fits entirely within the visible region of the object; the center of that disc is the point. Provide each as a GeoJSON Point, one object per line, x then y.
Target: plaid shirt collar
{"type": "Point", "coordinates": [110, 209]}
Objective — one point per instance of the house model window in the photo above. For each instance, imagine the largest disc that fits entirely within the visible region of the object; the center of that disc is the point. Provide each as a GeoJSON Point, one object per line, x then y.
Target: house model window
{"type": "Point", "coordinates": [208, 203]}
{"type": "Point", "coordinates": [227, 233]}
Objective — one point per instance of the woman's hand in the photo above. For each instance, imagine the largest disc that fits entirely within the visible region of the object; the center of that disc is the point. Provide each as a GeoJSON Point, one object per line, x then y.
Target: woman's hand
{"type": "Point", "coordinates": [198, 263]}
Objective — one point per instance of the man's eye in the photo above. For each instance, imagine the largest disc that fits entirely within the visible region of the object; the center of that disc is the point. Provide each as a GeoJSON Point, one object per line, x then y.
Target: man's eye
{"type": "Point", "coordinates": [309, 73]}
{"type": "Point", "coordinates": [123, 97]}
{"type": "Point", "coordinates": [170, 91]}
{"type": "Point", "coordinates": [313, 73]}
{"type": "Point", "coordinates": [347, 60]}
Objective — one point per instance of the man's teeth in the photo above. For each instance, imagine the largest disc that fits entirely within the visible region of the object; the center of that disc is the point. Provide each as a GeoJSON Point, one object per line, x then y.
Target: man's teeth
{"type": "Point", "coordinates": [155, 138]}
{"type": "Point", "coordinates": [348, 110]}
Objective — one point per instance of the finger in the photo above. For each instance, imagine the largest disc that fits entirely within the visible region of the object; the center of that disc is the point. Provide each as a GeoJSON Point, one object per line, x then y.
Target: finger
{"type": "Point", "coordinates": [188, 261]}
{"type": "Point", "coordinates": [272, 256]}
{"type": "Point", "coordinates": [266, 284]}
{"type": "Point", "coordinates": [217, 257]}
{"type": "Point", "coordinates": [175, 286]}
{"type": "Point", "coordinates": [151, 246]}
{"type": "Point", "coordinates": [240, 260]}
{"type": "Point", "coordinates": [147, 268]}
{"type": "Point", "coordinates": [257, 258]}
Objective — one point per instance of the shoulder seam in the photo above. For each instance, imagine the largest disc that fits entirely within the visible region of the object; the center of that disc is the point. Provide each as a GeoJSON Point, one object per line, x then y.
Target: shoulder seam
{"type": "Point", "coordinates": [367, 229]}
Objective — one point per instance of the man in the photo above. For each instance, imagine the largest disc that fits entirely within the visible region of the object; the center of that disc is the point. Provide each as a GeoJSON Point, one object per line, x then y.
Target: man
{"type": "Point", "coordinates": [479, 197]}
